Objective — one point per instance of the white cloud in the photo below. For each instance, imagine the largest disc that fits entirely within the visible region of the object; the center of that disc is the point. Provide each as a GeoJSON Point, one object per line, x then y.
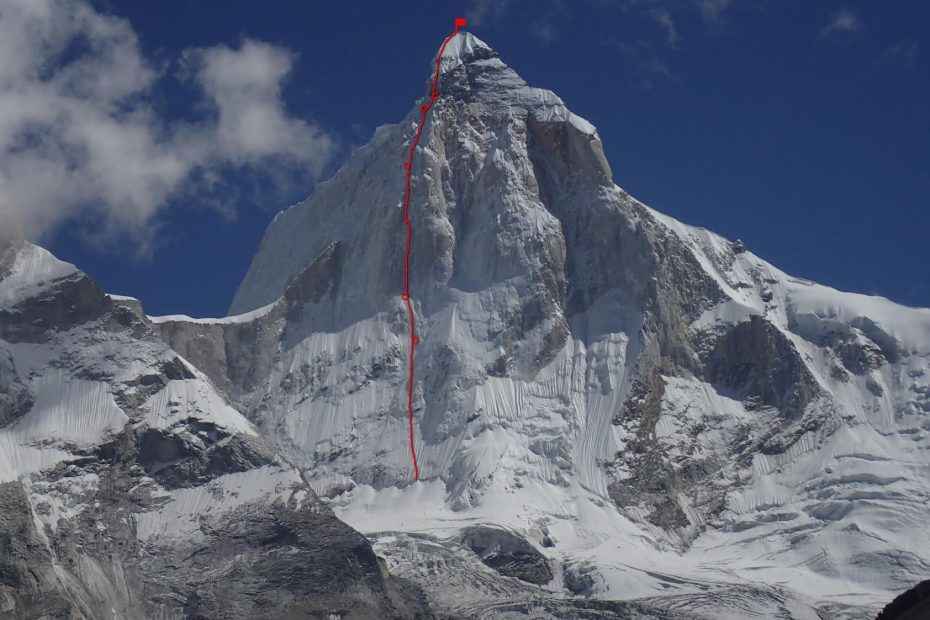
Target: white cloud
{"type": "Point", "coordinates": [842, 22]}
{"type": "Point", "coordinates": [480, 12]}
{"type": "Point", "coordinates": [645, 65]}
{"type": "Point", "coordinates": [905, 52]}
{"type": "Point", "coordinates": [81, 139]}
{"type": "Point", "coordinates": [664, 18]}
{"type": "Point", "coordinates": [712, 10]}
{"type": "Point", "coordinates": [544, 30]}
{"type": "Point", "coordinates": [245, 87]}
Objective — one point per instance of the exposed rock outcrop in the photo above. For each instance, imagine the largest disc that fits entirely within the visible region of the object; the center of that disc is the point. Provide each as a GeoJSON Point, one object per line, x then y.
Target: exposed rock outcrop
{"type": "Point", "coordinates": [507, 553]}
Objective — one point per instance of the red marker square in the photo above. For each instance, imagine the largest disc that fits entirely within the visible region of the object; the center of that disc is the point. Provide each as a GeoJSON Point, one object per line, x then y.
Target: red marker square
{"type": "Point", "coordinates": [460, 21]}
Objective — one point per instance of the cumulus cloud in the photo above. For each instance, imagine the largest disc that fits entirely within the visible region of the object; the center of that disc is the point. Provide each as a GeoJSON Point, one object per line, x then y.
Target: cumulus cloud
{"type": "Point", "coordinates": [844, 22]}
{"type": "Point", "coordinates": [244, 85]}
{"type": "Point", "coordinates": [80, 136]}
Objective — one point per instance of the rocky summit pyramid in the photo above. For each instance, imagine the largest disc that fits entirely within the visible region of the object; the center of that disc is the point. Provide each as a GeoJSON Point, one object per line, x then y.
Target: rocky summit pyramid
{"type": "Point", "coordinates": [616, 414]}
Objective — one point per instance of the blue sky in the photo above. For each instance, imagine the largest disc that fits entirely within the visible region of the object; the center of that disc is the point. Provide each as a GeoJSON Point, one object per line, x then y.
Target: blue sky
{"type": "Point", "coordinates": [801, 127]}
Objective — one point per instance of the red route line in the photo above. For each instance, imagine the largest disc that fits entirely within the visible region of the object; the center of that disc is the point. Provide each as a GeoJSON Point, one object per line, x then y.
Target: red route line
{"type": "Point", "coordinates": [408, 166]}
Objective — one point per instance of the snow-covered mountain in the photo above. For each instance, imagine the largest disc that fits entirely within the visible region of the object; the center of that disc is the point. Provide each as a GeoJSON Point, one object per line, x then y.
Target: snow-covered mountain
{"type": "Point", "coordinates": [654, 409]}
{"type": "Point", "coordinates": [617, 414]}
{"type": "Point", "coordinates": [130, 488]}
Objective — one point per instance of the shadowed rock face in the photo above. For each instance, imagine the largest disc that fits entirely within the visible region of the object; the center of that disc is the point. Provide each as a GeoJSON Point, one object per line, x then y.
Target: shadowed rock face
{"type": "Point", "coordinates": [277, 561]}
{"type": "Point", "coordinates": [508, 553]}
{"type": "Point", "coordinates": [911, 605]}
{"type": "Point", "coordinates": [859, 348]}
{"type": "Point", "coordinates": [261, 560]}
{"type": "Point", "coordinates": [235, 356]}
{"type": "Point", "coordinates": [177, 462]}
{"type": "Point", "coordinates": [75, 300]}
{"type": "Point", "coordinates": [26, 574]}
{"type": "Point", "coordinates": [15, 398]}
{"type": "Point", "coordinates": [155, 497]}
{"type": "Point", "coordinates": [761, 365]}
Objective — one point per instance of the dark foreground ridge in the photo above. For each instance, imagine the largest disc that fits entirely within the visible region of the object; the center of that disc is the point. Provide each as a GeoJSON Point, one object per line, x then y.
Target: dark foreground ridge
{"type": "Point", "coordinates": [911, 605]}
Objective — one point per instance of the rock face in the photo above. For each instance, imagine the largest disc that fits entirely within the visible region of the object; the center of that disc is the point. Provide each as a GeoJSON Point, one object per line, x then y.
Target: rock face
{"type": "Point", "coordinates": [508, 554]}
{"type": "Point", "coordinates": [649, 398]}
{"type": "Point", "coordinates": [15, 398]}
{"type": "Point", "coordinates": [130, 488]}
{"type": "Point", "coordinates": [911, 605]}
{"type": "Point", "coordinates": [757, 361]}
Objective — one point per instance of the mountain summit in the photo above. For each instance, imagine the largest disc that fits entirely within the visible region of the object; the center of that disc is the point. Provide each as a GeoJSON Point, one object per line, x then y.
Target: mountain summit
{"type": "Point", "coordinates": [654, 400]}
{"type": "Point", "coordinates": [616, 414]}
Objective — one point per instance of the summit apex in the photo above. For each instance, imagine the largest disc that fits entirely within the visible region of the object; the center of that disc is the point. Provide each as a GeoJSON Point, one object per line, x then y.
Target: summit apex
{"type": "Point", "coordinates": [464, 47]}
